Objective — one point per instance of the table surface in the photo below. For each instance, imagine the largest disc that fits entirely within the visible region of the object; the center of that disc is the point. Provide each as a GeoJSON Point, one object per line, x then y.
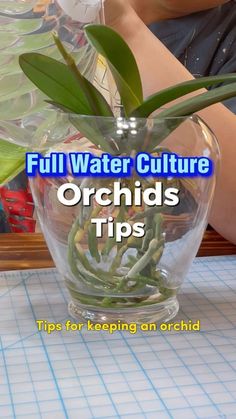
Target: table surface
{"type": "Point", "coordinates": [92, 375]}
{"type": "Point", "coordinates": [29, 251]}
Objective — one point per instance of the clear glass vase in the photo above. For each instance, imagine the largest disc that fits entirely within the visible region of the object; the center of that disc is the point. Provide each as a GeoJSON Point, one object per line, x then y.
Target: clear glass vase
{"type": "Point", "coordinates": [137, 278]}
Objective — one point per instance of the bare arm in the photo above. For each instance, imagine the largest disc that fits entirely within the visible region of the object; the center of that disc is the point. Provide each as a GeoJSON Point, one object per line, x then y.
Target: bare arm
{"type": "Point", "coordinates": [154, 10]}
{"type": "Point", "coordinates": [165, 70]}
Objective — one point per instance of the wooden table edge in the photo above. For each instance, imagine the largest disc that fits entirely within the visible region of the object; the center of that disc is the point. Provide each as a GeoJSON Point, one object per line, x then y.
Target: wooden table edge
{"type": "Point", "coordinates": [29, 251]}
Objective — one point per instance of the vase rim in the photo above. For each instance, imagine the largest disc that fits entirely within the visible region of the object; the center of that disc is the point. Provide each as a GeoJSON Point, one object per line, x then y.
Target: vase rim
{"type": "Point", "coordinates": [193, 117]}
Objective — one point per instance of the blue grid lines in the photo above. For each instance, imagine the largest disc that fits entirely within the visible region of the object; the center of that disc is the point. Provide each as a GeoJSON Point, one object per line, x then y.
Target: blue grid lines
{"type": "Point", "coordinates": [158, 375]}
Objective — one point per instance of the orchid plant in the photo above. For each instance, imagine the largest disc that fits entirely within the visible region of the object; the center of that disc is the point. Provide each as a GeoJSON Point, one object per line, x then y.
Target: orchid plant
{"type": "Point", "coordinates": [68, 90]}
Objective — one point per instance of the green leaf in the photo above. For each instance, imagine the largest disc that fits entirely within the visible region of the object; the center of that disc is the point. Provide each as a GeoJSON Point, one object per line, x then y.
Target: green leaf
{"type": "Point", "coordinates": [89, 129]}
{"type": "Point", "coordinates": [93, 132]}
{"type": "Point", "coordinates": [170, 119]}
{"type": "Point", "coordinates": [197, 103]}
{"type": "Point", "coordinates": [121, 61]}
{"type": "Point", "coordinates": [96, 100]}
{"type": "Point", "coordinates": [12, 161]}
{"type": "Point", "coordinates": [56, 80]}
{"type": "Point", "coordinates": [165, 96]}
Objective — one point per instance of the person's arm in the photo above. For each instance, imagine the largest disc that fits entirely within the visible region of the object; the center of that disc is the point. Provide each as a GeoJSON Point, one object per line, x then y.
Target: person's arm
{"type": "Point", "coordinates": [160, 69]}
{"type": "Point", "coordinates": [153, 10]}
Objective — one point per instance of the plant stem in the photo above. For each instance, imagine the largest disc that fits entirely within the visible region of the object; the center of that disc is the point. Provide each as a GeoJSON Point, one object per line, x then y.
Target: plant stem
{"type": "Point", "coordinates": [117, 261]}
{"type": "Point", "coordinates": [93, 243]}
{"type": "Point", "coordinates": [145, 259]}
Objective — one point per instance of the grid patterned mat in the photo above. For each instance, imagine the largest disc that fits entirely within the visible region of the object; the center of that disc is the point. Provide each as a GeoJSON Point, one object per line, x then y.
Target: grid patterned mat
{"type": "Point", "coordinates": [153, 375]}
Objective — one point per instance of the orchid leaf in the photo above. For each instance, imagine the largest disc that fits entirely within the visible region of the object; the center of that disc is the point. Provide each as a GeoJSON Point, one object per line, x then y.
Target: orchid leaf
{"type": "Point", "coordinates": [56, 80]}
{"type": "Point", "coordinates": [170, 119]}
{"type": "Point", "coordinates": [121, 61]}
{"type": "Point", "coordinates": [59, 83]}
{"type": "Point", "coordinates": [197, 103]}
{"type": "Point", "coordinates": [96, 100]}
{"type": "Point", "coordinates": [91, 130]}
{"type": "Point", "coordinates": [172, 93]}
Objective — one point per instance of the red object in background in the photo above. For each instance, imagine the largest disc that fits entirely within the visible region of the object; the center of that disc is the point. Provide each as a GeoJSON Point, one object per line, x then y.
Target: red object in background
{"type": "Point", "coordinates": [17, 202]}
{"type": "Point", "coordinates": [19, 208]}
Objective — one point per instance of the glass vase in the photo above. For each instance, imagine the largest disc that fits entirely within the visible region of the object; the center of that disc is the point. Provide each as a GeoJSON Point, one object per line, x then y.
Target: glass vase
{"type": "Point", "coordinates": [135, 279]}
